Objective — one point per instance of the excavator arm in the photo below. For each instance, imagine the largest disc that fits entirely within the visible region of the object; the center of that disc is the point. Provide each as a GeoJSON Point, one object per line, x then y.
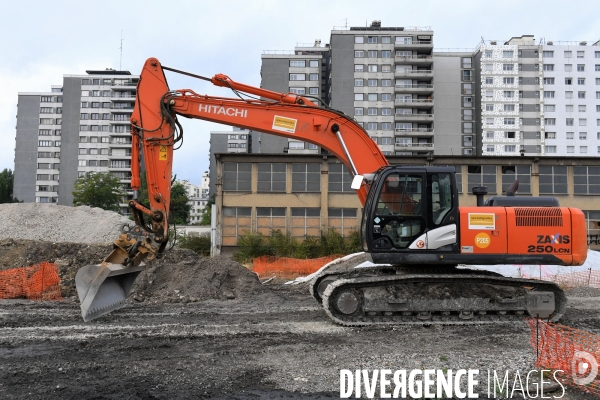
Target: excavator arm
{"type": "Point", "coordinates": [156, 133]}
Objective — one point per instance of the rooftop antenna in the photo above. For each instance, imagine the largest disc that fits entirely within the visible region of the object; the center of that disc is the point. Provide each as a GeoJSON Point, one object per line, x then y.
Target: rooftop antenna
{"type": "Point", "coordinates": [121, 48]}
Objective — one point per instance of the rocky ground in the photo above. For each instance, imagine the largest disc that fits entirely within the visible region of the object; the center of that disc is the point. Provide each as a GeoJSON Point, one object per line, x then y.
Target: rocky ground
{"type": "Point", "coordinates": [275, 343]}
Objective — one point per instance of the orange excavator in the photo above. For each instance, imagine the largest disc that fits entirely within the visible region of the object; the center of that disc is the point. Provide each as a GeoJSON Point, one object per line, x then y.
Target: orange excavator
{"type": "Point", "coordinates": [413, 231]}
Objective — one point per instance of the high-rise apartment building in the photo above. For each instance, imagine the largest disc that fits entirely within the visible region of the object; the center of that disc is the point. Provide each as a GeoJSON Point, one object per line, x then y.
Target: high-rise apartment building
{"type": "Point", "coordinates": [79, 127]}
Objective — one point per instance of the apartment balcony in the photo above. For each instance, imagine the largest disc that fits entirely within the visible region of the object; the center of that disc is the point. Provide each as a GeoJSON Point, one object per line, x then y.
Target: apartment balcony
{"type": "Point", "coordinates": [119, 121]}
{"type": "Point", "coordinates": [415, 103]}
{"type": "Point", "coordinates": [122, 106]}
{"type": "Point", "coordinates": [116, 96]}
{"type": "Point", "coordinates": [413, 117]}
{"type": "Point", "coordinates": [124, 84]}
{"type": "Point", "coordinates": [414, 73]}
{"type": "Point", "coordinates": [119, 167]}
{"type": "Point", "coordinates": [414, 60]}
{"type": "Point", "coordinates": [119, 156]}
{"type": "Point", "coordinates": [422, 45]}
{"type": "Point", "coordinates": [120, 143]}
{"type": "Point", "coordinates": [414, 146]}
{"type": "Point", "coordinates": [415, 132]}
{"type": "Point", "coordinates": [425, 88]}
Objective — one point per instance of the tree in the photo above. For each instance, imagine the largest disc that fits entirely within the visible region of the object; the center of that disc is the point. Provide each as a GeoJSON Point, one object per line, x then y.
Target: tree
{"type": "Point", "coordinates": [6, 186]}
{"type": "Point", "coordinates": [179, 210]}
{"type": "Point", "coordinates": [98, 189]}
{"type": "Point", "coordinates": [206, 217]}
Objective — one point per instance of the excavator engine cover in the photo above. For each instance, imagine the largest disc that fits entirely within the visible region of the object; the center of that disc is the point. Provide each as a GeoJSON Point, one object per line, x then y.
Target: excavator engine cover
{"type": "Point", "coordinates": [103, 288]}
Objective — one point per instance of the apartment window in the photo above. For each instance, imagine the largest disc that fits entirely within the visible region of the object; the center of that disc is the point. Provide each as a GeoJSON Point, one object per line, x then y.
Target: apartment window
{"type": "Point", "coordinates": [580, 67]}
{"type": "Point", "coordinates": [313, 63]}
{"type": "Point", "coordinates": [509, 107]}
{"type": "Point", "coordinates": [508, 54]}
{"type": "Point", "coordinates": [359, 96]}
{"type": "Point", "coordinates": [581, 108]}
{"type": "Point", "coordinates": [550, 149]}
{"type": "Point", "coordinates": [84, 116]}
{"type": "Point", "coordinates": [340, 178]}
{"type": "Point", "coordinates": [372, 53]}
{"type": "Point", "coordinates": [95, 116]}
{"type": "Point", "coordinates": [597, 68]}
{"type": "Point", "coordinates": [581, 54]}
{"type": "Point", "coordinates": [489, 94]}
{"type": "Point", "coordinates": [466, 75]}
{"type": "Point", "coordinates": [372, 126]}
{"type": "Point", "coordinates": [489, 121]}
{"type": "Point", "coordinates": [598, 108]}
{"type": "Point", "coordinates": [569, 121]}
{"type": "Point", "coordinates": [386, 96]}
{"type": "Point", "coordinates": [550, 135]}
{"type": "Point", "coordinates": [549, 121]}
{"type": "Point", "coordinates": [386, 68]}
{"type": "Point", "coordinates": [481, 175]}
{"type": "Point", "coordinates": [297, 77]}
{"type": "Point", "coordinates": [490, 107]}
{"type": "Point", "coordinates": [358, 82]}
{"type": "Point", "coordinates": [467, 127]}
{"type": "Point", "coordinates": [386, 111]}
{"type": "Point", "coordinates": [489, 67]}
{"type": "Point", "coordinates": [372, 111]}
{"type": "Point", "coordinates": [359, 39]}
{"type": "Point", "coordinates": [568, 81]}
{"type": "Point", "coordinates": [510, 135]}
{"type": "Point", "coordinates": [509, 121]}
{"type": "Point", "coordinates": [509, 94]}
{"type": "Point", "coordinates": [548, 67]}
{"type": "Point", "coordinates": [570, 135]}
{"type": "Point", "coordinates": [489, 54]}
{"type": "Point", "coordinates": [298, 90]}
{"type": "Point", "coordinates": [581, 81]}
{"type": "Point", "coordinates": [549, 107]}
{"type": "Point", "coordinates": [359, 67]}
{"type": "Point", "coordinates": [372, 82]}
{"type": "Point", "coordinates": [386, 54]}
{"type": "Point", "coordinates": [359, 111]}
{"type": "Point", "coordinates": [568, 67]}
{"type": "Point", "coordinates": [509, 81]}
{"type": "Point", "coordinates": [386, 39]}
{"type": "Point", "coordinates": [45, 143]}
{"type": "Point", "coordinates": [568, 95]}
{"type": "Point", "coordinates": [581, 95]}
{"type": "Point", "coordinates": [586, 180]}
{"type": "Point", "coordinates": [313, 90]}
{"type": "Point", "coordinates": [598, 95]}
{"type": "Point", "coordinates": [548, 81]}
{"type": "Point", "coordinates": [548, 94]}
{"type": "Point", "coordinates": [467, 101]}
{"type": "Point", "coordinates": [386, 126]}
{"type": "Point", "coordinates": [597, 81]}
{"type": "Point", "coordinates": [489, 134]}
{"type": "Point", "coordinates": [237, 176]}
{"type": "Point", "coordinates": [297, 63]}
{"type": "Point", "coordinates": [508, 67]}
{"type": "Point", "coordinates": [372, 68]}
{"type": "Point", "coordinates": [569, 108]}
{"type": "Point", "coordinates": [489, 80]}
{"type": "Point", "coordinates": [306, 177]}
{"type": "Point", "coordinates": [490, 148]}
{"type": "Point", "coordinates": [45, 132]}
{"type": "Point", "coordinates": [467, 115]}
{"type": "Point", "coordinates": [386, 82]}
{"type": "Point", "coordinates": [271, 177]}
{"type": "Point", "coordinates": [582, 121]}
{"type": "Point", "coordinates": [371, 39]}
{"type": "Point", "coordinates": [313, 77]}
{"type": "Point", "coordinates": [548, 54]}
{"type": "Point", "coordinates": [582, 135]}
{"type": "Point", "coordinates": [359, 53]}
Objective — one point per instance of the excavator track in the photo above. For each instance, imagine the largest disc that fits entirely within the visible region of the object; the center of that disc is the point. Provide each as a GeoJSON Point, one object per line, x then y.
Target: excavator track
{"type": "Point", "coordinates": [447, 299]}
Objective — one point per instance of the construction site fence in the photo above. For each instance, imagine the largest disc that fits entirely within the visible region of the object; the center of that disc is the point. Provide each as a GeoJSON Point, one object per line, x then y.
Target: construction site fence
{"type": "Point", "coordinates": [36, 282]}
{"type": "Point", "coordinates": [572, 279]}
{"type": "Point", "coordinates": [288, 268]}
{"type": "Point", "coordinates": [574, 352]}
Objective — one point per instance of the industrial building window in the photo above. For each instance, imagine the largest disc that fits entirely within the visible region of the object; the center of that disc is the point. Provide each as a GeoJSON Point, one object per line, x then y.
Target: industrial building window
{"type": "Point", "coordinates": [339, 178]}
{"type": "Point", "coordinates": [271, 177]}
{"type": "Point", "coordinates": [343, 220]}
{"type": "Point", "coordinates": [236, 221]}
{"type": "Point", "coordinates": [593, 223]}
{"type": "Point", "coordinates": [237, 176]}
{"type": "Point", "coordinates": [481, 175]}
{"type": "Point", "coordinates": [269, 219]}
{"type": "Point", "coordinates": [306, 222]}
{"type": "Point", "coordinates": [586, 180]}
{"type": "Point", "coordinates": [306, 177]}
{"type": "Point", "coordinates": [510, 173]}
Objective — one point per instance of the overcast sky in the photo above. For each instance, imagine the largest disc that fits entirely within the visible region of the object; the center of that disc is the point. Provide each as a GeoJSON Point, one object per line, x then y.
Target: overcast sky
{"type": "Point", "coordinates": [43, 40]}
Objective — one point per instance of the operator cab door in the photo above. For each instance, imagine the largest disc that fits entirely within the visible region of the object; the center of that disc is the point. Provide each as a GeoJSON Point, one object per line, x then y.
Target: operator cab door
{"type": "Point", "coordinates": [399, 215]}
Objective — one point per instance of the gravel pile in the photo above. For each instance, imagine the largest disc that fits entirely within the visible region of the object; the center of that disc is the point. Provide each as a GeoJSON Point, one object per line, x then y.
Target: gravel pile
{"type": "Point", "coordinates": [54, 223]}
{"type": "Point", "coordinates": [583, 291]}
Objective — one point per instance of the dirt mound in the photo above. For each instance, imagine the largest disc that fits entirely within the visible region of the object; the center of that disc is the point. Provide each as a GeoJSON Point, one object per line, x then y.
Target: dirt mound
{"type": "Point", "coordinates": [180, 276]}
{"type": "Point", "coordinates": [583, 291]}
{"type": "Point", "coordinates": [54, 223]}
{"type": "Point", "coordinates": [195, 278]}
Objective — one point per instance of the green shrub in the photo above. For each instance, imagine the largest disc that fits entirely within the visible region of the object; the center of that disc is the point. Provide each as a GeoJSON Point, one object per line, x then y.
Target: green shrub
{"type": "Point", "coordinates": [252, 245]}
{"type": "Point", "coordinates": [199, 244]}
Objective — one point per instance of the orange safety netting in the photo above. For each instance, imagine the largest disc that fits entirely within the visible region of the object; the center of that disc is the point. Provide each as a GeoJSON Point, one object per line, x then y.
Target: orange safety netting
{"type": "Point", "coordinates": [36, 282]}
{"type": "Point", "coordinates": [573, 351]}
{"type": "Point", "coordinates": [289, 268]}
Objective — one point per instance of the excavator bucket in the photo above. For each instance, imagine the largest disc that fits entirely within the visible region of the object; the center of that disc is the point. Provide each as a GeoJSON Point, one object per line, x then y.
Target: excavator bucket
{"type": "Point", "coordinates": [103, 288]}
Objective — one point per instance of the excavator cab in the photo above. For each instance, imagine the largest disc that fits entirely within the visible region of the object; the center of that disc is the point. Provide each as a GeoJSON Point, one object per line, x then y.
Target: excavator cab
{"type": "Point", "coordinates": [410, 210]}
